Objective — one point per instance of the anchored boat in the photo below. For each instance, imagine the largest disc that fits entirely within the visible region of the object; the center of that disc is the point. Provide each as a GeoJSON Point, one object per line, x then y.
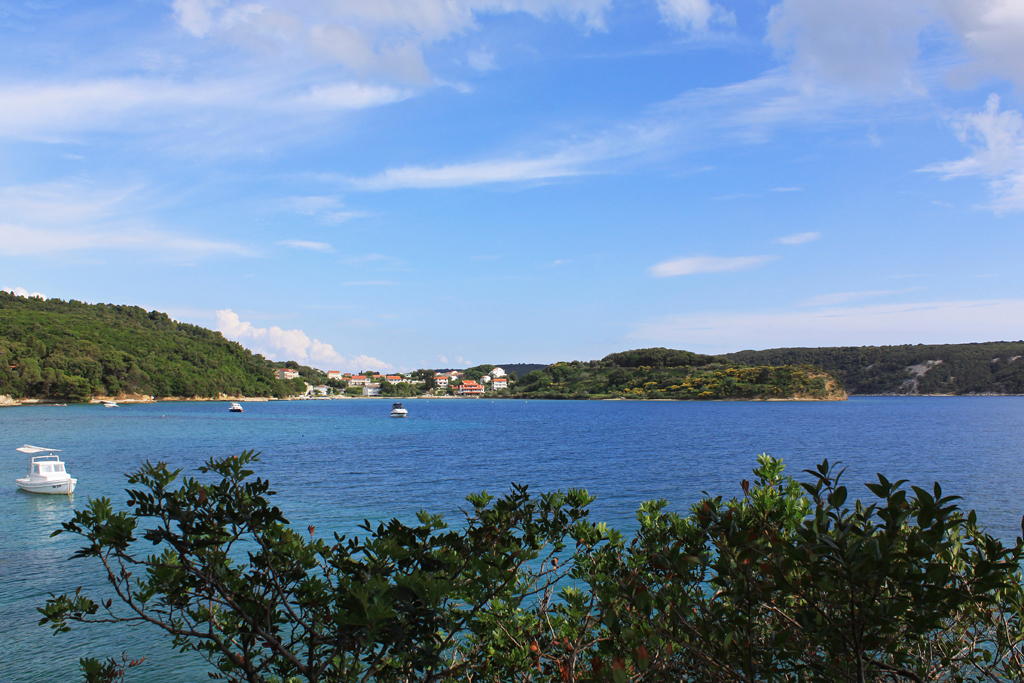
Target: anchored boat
{"type": "Point", "coordinates": [46, 473]}
{"type": "Point", "coordinates": [236, 408]}
{"type": "Point", "coordinates": [398, 411]}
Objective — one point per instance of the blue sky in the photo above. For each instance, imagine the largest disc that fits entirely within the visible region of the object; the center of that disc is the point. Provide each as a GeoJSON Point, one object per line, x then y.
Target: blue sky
{"type": "Point", "coordinates": [395, 184]}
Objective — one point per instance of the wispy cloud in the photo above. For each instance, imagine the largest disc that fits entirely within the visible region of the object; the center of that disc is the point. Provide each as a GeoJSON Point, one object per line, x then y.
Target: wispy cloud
{"type": "Point", "coordinates": [998, 138]}
{"type": "Point", "coordinates": [280, 344]}
{"type": "Point", "coordinates": [840, 298]}
{"type": "Point", "coordinates": [799, 238]}
{"type": "Point", "coordinates": [33, 220]}
{"type": "Point", "coordinates": [312, 246]}
{"type": "Point", "coordinates": [327, 209]}
{"type": "Point", "coordinates": [932, 322]}
{"type": "Point", "coordinates": [26, 241]}
{"type": "Point", "coordinates": [787, 189]}
{"type": "Point", "coordinates": [481, 60]}
{"type": "Point", "coordinates": [693, 265]}
{"type": "Point", "coordinates": [476, 173]}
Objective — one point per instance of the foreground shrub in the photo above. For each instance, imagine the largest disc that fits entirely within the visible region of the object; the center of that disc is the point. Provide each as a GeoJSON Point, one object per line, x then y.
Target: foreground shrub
{"type": "Point", "coordinates": [786, 583]}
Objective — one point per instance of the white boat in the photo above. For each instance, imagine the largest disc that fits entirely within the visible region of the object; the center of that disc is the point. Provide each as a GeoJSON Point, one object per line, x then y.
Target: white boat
{"type": "Point", "coordinates": [46, 473]}
{"type": "Point", "coordinates": [109, 404]}
{"type": "Point", "coordinates": [236, 408]}
{"type": "Point", "coordinates": [398, 411]}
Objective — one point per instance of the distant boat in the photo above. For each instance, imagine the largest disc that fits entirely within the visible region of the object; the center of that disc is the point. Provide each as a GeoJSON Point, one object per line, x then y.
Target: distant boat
{"type": "Point", "coordinates": [46, 473]}
{"type": "Point", "coordinates": [236, 408]}
{"type": "Point", "coordinates": [109, 404]}
{"type": "Point", "coordinates": [398, 411]}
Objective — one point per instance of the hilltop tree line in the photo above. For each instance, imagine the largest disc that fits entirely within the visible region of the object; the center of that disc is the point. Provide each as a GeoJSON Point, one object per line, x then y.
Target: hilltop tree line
{"type": "Point", "coordinates": [673, 374]}
{"type": "Point", "coordinates": [73, 350]}
{"type": "Point", "coordinates": [991, 367]}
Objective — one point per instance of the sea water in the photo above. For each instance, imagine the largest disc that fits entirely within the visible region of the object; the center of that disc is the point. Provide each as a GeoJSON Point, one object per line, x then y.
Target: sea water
{"type": "Point", "coordinates": [336, 463]}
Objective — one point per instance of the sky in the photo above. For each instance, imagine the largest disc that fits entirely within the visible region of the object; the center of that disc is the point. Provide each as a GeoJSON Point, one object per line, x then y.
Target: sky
{"type": "Point", "coordinates": [395, 184]}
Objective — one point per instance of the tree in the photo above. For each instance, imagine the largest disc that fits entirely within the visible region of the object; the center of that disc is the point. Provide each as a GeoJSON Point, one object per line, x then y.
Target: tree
{"type": "Point", "coordinates": [786, 583]}
{"type": "Point", "coordinates": [233, 582]}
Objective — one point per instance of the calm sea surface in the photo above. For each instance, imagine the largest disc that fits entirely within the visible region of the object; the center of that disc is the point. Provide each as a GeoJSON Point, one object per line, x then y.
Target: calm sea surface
{"type": "Point", "coordinates": [335, 463]}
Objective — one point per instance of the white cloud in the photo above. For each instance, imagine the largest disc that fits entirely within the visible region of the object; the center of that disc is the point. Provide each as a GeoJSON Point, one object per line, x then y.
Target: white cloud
{"type": "Point", "coordinates": [352, 96]}
{"type": "Point", "coordinates": [21, 291]}
{"type": "Point", "coordinates": [280, 344]}
{"type": "Point", "coordinates": [371, 39]}
{"type": "Point", "coordinates": [931, 322]}
{"type": "Point", "coordinates": [482, 172]}
{"type": "Point", "coordinates": [998, 141]}
{"type": "Point", "coordinates": [868, 44]}
{"type": "Point", "coordinates": [799, 238]}
{"type": "Point", "coordinates": [481, 60]}
{"type": "Point", "coordinates": [873, 45]}
{"type": "Point", "coordinates": [312, 246]}
{"type": "Point", "coordinates": [692, 265]}
{"type": "Point", "coordinates": [694, 15]}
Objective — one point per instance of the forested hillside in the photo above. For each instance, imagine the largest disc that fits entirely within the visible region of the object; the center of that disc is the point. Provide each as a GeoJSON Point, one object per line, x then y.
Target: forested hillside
{"type": "Point", "coordinates": [671, 374]}
{"type": "Point", "coordinates": [73, 350]}
{"type": "Point", "coordinates": [987, 368]}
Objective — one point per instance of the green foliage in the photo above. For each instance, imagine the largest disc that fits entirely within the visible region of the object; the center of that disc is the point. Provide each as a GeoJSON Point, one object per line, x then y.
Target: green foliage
{"type": "Point", "coordinates": [788, 583]}
{"type": "Point", "coordinates": [72, 350]}
{"type": "Point", "coordinates": [992, 367]}
{"type": "Point", "coordinates": [399, 389]}
{"type": "Point", "coordinates": [697, 380]}
{"type": "Point", "coordinates": [477, 371]}
{"type": "Point", "coordinates": [657, 357]}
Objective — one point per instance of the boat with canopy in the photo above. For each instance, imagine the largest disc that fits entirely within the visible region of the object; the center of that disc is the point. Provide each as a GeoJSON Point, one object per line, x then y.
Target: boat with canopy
{"type": "Point", "coordinates": [46, 473]}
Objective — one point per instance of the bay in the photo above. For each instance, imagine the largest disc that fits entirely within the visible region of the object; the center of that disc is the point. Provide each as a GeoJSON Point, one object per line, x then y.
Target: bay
{"type": "Point", "coordinates": [335, 463]}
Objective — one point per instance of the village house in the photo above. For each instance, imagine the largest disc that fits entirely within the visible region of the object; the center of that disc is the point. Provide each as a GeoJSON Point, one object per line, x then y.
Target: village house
{"type": "Point", "coordinates": [371, 389]}
{"type": "Point", "coordinates": [357, 381]}
{"type": "Point", "coordinates": [497, 372]}
{"type": "Point", "coordinates": [471, 388]}
{"type": "Point", "coordinates": [322, 389]}
{"type": "Point", "coordinates": [286, 373]}
{"type": "Point", "coordinates": [395, 379]}
{"type": "Point", "coordinates": [334, 374]}
{"type": "Point", "coordinates": [441, 381]}
{"type": "Point", "coordinates": [499, 383]}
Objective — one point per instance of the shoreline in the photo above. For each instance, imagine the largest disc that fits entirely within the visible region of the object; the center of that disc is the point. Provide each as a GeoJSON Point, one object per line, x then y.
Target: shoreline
{"type": "Point", "coordinates": [9, 402]}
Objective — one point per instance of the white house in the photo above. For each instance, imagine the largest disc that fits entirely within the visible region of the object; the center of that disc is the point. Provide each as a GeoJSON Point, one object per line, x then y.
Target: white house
{"type": "Point", "coordinates": [497, 372]}
{"type": "Point", "coordinates": [357, 381]}
{"type": "Point", "coordinates": [322, 389]}
{"type": "Point", "coordinates": [441, 381]}
{"type": "Point", "coordinates": [499, 383]}
{"type": "Point", "coordinates": [286, 373]}
{"type": "Point", "coordinates": [334, 374]}
{"type": "Point", "coordinates": [371, 390]}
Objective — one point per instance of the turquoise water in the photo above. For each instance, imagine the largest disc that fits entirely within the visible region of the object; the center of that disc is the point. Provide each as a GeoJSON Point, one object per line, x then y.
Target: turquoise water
{"type": "Point", "coordinates": [335, 463]}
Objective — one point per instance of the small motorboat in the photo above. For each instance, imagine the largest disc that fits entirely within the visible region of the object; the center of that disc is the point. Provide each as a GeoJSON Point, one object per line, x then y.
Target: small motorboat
{"type": "Point", "coordinates": [236, 408]}
{"type": "Point", "coordinates": [109, 404]}
{"type": "Point", "coordinates": [398, 411]}
{"type": "Point", "coordinates": [46, 473]}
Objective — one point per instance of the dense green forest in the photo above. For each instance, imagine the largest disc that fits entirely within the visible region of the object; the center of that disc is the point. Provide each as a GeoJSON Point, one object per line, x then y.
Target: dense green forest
{"type": "Point", "coordinates": [988, 368]}
{"type": "Point", "coordinates": [72, 350]}
{"type": "Point", "coordinates": [671, 374]}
